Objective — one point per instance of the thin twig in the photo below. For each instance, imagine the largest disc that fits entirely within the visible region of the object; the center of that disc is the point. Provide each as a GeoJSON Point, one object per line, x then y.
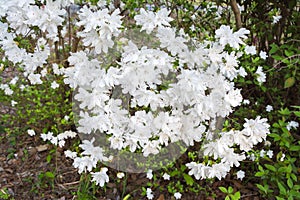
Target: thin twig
{"type": "Point", "coordinates": [72, 183]}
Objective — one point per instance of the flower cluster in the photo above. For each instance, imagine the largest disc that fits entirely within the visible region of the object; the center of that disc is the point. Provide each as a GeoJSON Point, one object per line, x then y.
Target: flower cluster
{"type": "Point", "coordinates": [195, 96]}
{"type": "Point", "coordinates": [23, 15]}
{"type": "Point", "coordinates": [99, 28]}
{"type": "Point", "coordinates": [56, 140]}
{"type": "Point", "coordinates": [147, 98]}
{"type": "Point", "coordinates": [254, 131]}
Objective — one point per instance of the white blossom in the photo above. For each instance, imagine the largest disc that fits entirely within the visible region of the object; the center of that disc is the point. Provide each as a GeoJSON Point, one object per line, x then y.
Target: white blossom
{"type": "Point", "coordinates": [292, 124]}
{"type": "Point", "coordinates": [13, 103]}
{"type": "Point", "coordinates": [240, 174]}
{"type": "Point", "coordinates": [261, 76]}
{"type": "Point", "coordinates": [262, 153]}
{"type": "Point", "coordinates": [166, 176]}
{"type": "Point", "coordinates": [227, 36]}
{"type": "Point", "coordinates": [70, 154]}
{"type": "Point", "coordinates": [270, 153]}
{"type": "Point", "coordinates": [276, 19]}
{"type": "Point", "coordinates": [251, 50]}
{"type": "Point", "coordinates": [263, 55]}
{"type": "Point", "coordinates": [120, 175]}
{"type": "Point", "coordinates": [35, 79]}
{"type": "Point", "coordinates": [282, 157]}
{"type": "Point", "coordinates": [47, 136]}
{"type": "Point", "coordinates": [150, 20]}
{"type": "Point", "coordinates": [149, 174]}
{"type": "Point", "coordinates": [177, 195]}
{"type": "Point", "coordinates": [246, 101]}
{"type": "Point", "coordinates": [269, 108]}
{"type": "Point", "coordinates": [31, 132]}
{"type": "Point", "coordinates": [84, 164]}
{"type": "Point", "coordinates": [7, 89]}
{"type": "Point", "coordinates": [54, 85]}
{"type": "Point", "coordinates": [100, 177]}
{"type": "Point", "coordinates": [149, 193]}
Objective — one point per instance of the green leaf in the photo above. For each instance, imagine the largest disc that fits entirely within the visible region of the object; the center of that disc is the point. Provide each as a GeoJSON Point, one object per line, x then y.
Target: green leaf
{"type": "Point", "coordinates": [262, 188]}
{"type": "Point", "coordinates": [49, 175]}
{"type": "Point", "coordinates": [286, 61]}
{"type": "Point", "coordinates": [270, 167]}
{"type": "Point", "coordinates": [127, 197]}
{"type": "Point", "coordinates": [277, 57]}
{"type": "Point", "coordinates": [290, 198]}
{"type": "Point", "coordinates": [260, 168]}
{"type": "Point", "coordinates": [223, 189]}
{"type": "Point", "coordinates": [288, 53]}
{"type": "Point", "coordinates": [295, 148]}
{"type": "Point", "coordinates": [285, 111]}
{"type": "Point", "coordinates": [255, 59]}
{"type": "Point", "coordinates": [174, 173]}
{"type": "Point", "coordinates": [279, 198]}
{"type": "Point", "coordinates": [41, 175]}
{"type": "Point", "coordinates": [259, 174]}
{"type": "Point", "coordinates": [48, 158]}
{"type": "Point", "coordinates": [290, 183]}
{"type": "Point", "coordinates": [237, 195]}
{"type": "Point", "coordinates": [289, 168]}
{"type": "Point", "coordinates": [274, 48]}
{"type": "Point", "coordinates": [282, 169]}
{"type": "Point", "coordinates": [230, 190]}
{"type": "Point", "coordinates": [296, 187]}
{"type": "Point", "coordinates": [183, 167]}
{"type": "Point", "coordinates": [274, 135]}
{"type": "Point", "coordinates": [297, 113]}
{"type": "Point", "coordinates": [289, 82]}
{"type": "Point", "coordinates": [227, 198]}
{"type": "Point", "coordinates": [188, 179]}
{"type": "Point", "coordinates": [281, 188]}
{"type": "Point", "coordinates": [294, 177]}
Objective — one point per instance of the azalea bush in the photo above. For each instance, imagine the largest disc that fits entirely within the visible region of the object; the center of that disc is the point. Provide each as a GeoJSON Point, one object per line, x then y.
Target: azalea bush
{"type": "Point", "coordinates": [139, 88]}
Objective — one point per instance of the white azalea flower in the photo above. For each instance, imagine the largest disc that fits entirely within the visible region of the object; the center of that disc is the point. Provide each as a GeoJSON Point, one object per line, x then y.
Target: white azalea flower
{"type": "Point", "coordinates": [150, 20]}
{"type": "Point", "coordinates": [270, 153]}
{"type": "Point", "coordinates": [227, 36]}
{"type": "Point", "coordinates": [31, 132]}
{"type": "Point", "coordinates": [261, 75]}
{"type": "Point", "coordinates": [292, 124]}
{"type": "Point", "coordinates": [35, 79]}
{"type": "Point", "coordinates": [251, 50]}
{"type": "Point", "coordinates": [152, 147]}
{"type": "Point", "coordinates": [54, 85]}
{"type": "Point", "coordinates": [70, 154]}
{"type": "Point", "coordinates": [177, 195]}
{"type": "Point", "coordinates": [100, 177]}
{"type": "Point", "coordinates": [84, 164]}
{"type": "Point", "coordinates": [47, 136]}
{"type": "Point", "coordinates": [120, 175]}
{"type": "Point", "coordinates": [276, 19]}
{"type": "Point", "coordinates": [166, 176]}
{"type": "Point", "coordinates": [149, 193]}
{"type": "Point", "coordinates": [269, 108]}
{"type": "Point", "coordinates": [13, 103]}
{"type": "Point", "coordinates": [6, 89]}
{"type": "Point", "coordinates": [240, 174]}
{"type": "Point", "coordinates": [246, 101]}
{"type": "Point", "coordinates": [263, 55]}
{"type": "Point", "coordinates": [149, 174]}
